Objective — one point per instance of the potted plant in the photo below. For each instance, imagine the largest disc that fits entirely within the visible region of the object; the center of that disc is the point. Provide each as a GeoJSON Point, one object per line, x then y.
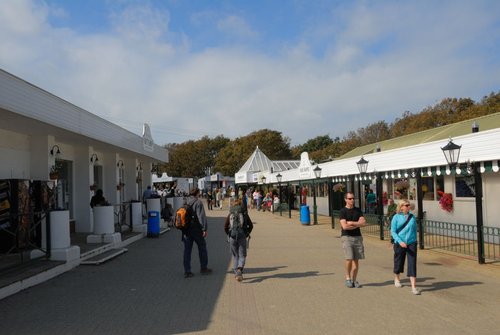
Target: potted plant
{"type": "Point", "coordinates": [54, 173]}
{"type": "Point", "coordinates": [93, 187]}
{"type": "Point", "coordinates": [119, 186]}
{"type": "Point", "coordinates": [446, 201]}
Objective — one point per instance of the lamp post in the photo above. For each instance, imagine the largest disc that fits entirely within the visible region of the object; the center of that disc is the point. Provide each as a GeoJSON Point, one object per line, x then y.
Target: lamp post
{"type": "Point", "coordinates": [317, 174]}
{"type": "Point", "coordinates": [278, 178]}
{"type": "Point", "coordinates": [362, 167]}
{"type": "Point", "coordinates": [451, 152]}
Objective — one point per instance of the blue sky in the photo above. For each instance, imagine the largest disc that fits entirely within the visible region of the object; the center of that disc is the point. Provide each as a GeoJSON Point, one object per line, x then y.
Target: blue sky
{"type": "Point", "coordinates": [304, 68]}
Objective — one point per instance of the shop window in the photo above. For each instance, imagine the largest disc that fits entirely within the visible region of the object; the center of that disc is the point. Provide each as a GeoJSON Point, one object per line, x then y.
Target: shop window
{"type": "Point", "coordinates": [401, 188]}
{"type": "Point", "coordinates": [439, 186]}
{"type": "Point", "coordinates": [428, 188]}
{"type": "Point", "coordinates": [465, 186]}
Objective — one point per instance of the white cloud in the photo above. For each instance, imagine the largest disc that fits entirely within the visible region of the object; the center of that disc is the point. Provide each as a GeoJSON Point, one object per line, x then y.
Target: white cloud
{"type": "Point", "coordinates": [377, 62]}
{"type": "Point", "coordinates": [236, 26]}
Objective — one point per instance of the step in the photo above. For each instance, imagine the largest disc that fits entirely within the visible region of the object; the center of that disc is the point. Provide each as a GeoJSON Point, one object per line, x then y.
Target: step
{"type": "Point", "coordinates": [104, 257]}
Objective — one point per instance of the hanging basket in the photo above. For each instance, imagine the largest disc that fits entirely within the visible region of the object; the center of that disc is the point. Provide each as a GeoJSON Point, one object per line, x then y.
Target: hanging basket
{"type": "Point", "coordinates": [53, 175]}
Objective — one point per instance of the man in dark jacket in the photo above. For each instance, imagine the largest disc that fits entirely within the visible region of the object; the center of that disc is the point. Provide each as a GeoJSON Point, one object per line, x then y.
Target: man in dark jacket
{"type": "Point", "coordinates": [196, 233]}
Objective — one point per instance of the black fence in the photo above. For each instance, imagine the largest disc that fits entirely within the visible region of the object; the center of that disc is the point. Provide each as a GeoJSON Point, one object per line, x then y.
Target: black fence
{"type": "Point", "coordinates": [454, 237]}
{"type": "Point", "coordinates": [24, 237]}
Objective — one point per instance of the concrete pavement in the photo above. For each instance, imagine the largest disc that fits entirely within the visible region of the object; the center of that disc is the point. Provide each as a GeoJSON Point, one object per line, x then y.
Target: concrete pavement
{"type": "Point", "coordinates": [293, 284]}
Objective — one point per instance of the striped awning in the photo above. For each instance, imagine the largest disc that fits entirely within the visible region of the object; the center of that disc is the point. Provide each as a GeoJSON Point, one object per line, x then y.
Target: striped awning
{"type": "Point", "coordinates": [443, 170]}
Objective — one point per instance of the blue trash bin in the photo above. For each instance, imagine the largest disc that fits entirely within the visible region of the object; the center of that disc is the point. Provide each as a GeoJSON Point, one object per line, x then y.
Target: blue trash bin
{"type": "Point", "coordinates": [305, 215]}
{"type": "Point", "coordinates": [153, 224]}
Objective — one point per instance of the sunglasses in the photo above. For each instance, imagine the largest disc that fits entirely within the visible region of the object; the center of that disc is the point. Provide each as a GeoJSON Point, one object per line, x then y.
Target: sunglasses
{"type": "Point", "coordinates": [350, 198]}
{"type": "Point", "coordinates": [407, 205]}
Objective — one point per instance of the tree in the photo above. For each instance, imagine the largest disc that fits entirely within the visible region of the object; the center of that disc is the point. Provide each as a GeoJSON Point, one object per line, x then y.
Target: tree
{"type": "Point", "coordinates": [235, 153]}
{"type": "Point", "coordinates": [194, 158]}
{"type": "Point", "coordinates": [315, 144]}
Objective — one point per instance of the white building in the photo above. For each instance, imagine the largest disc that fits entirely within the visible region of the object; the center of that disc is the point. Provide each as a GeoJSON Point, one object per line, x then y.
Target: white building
{"type": "Point", "coordinates": [41, 133]}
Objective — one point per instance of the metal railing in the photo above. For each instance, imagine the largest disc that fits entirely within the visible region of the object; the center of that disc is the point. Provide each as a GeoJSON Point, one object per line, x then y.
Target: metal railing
{"type": "Point", "coordinates": [123, 217]}
{"type": "Point", "coordinates": [22, 235]}
{"type": "Point", "coordinates": [454, 237]}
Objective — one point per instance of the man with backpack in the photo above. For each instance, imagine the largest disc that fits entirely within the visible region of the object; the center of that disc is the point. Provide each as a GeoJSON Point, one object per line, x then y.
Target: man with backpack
{"type": "Point", "coordinates": [238, 227]}
{"type": "Point", "coordinates": [195, 232]}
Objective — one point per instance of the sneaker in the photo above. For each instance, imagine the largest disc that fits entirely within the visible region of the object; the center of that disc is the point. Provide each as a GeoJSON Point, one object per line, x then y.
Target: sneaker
{"type": "Point", "coordinates": [397, 284]}
{"type": "Point", "coordinates": [356, 284]}
{"type": "Point", "coordinates": [206, 271]}
{"type": "Point", "coordinates": [348, 283]}
{"type": "Point", "coordinates": [239, 275]}
{"type": "Point", "coordinates": [188, 274]}
{"type": "Point", "coordinates": [415, 291]}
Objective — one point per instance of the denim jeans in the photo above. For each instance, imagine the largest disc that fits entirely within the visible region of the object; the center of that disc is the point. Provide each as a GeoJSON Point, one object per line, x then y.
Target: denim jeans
{"type": "Point", "coordinates": [239, 252]}
{"type": "Point", "coordinates": [195, 237]}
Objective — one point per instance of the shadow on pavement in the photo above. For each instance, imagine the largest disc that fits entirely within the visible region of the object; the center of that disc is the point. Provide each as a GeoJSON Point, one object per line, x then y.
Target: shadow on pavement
{"type": "Point", "coordinates": [286, 276]}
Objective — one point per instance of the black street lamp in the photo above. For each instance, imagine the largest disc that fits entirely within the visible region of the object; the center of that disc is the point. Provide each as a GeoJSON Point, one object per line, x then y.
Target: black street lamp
{"type": "Point", "coordinates": [278, 178]}
{"type": "Point", "coordinates": [451, 152]}
{"type": "Point", "coordinates": [317, 174]}
{"type": "Point", "coordinates": [362, 167]}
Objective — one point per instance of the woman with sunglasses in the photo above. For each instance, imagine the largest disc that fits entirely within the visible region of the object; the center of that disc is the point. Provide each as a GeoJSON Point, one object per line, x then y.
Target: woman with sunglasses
{"type": "Point", "coordinates": [404, 233]}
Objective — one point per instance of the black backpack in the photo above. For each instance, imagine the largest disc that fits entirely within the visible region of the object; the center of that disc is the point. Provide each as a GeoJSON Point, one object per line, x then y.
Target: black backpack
{"type": "Point", "coordinates": [237, 224]}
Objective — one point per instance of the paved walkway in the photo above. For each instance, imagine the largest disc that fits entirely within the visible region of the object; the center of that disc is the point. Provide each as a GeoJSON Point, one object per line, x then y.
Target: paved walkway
{"type": "Point", "coordinates": [294, 284]}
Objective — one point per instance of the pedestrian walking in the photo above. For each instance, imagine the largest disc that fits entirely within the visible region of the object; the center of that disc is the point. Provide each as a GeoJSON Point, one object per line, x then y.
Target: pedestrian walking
{"type": "Point", "coordinates": [238, 227]}
{"type": "Point", "coordinates": [210, 200]}
{"type": "Point", "coordinates": [351, 219]}
{"type": "Point", "coordinates": [196, 232]}
{"type": "Point", "coordinates": [404, 233]}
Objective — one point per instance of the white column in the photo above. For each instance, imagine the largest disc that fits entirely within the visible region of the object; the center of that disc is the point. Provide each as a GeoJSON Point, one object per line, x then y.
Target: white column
{"type": "Point", "coordinates": [60, 242]}
{"type": "Point", "coordinates": [154, 205]}
{"type": "Point", "coordinates": [137, 222]}
{"type": "Point", "coordinates": [104, 227]}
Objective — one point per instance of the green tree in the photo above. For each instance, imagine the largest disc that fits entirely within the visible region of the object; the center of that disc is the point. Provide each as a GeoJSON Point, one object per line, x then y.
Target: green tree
{"type": "Point", "coordinates": [318, 143]}
{"type": "Point", "coordinates": [234, 154]}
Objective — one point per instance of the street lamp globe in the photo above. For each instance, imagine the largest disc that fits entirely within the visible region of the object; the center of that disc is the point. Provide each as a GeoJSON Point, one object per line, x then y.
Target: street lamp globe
{"type": "Point", "coordinates": [451, 152]}
{"type": "Point", "coordinates": [362, 165]}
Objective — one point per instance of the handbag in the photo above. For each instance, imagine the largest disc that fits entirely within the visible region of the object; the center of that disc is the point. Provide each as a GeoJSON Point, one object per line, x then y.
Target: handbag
{"type": "Point", "coordinates": [402, 227]}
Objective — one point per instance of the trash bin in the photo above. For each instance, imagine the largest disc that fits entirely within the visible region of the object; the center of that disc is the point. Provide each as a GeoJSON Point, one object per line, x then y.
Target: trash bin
{"type": "Point", "coordinates": [305, 215]}
{"type": "Point", "coordinates": [153, 224]}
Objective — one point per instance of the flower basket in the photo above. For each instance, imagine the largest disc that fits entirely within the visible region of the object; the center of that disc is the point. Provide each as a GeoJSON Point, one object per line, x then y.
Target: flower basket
{"type": "Point", "coordinates": [402, 184]}
{"type": "Point", "coordinates": [338, 187]}
{"type": "Point", "coordinates": [446, 201]}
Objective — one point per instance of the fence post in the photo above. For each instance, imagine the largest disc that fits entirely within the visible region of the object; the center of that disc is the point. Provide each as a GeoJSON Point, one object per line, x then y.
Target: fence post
{"type": "Point", "coordinates": [478, 181]}
{"type": "Point", "coordinates": [420, 206]}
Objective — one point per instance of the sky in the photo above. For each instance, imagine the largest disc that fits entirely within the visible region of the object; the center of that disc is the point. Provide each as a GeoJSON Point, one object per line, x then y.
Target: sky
{"type": "Point", "coordinates": [212, 67]}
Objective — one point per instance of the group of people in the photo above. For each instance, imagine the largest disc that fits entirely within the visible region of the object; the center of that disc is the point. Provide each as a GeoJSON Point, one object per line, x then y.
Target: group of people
{"type": "Point", "coordinates": [404, 235]}
{"type": "Point", "coordinates": [238, 230]}
{"type": "Point", "coordinates": [215, 198]}
{"type": "Point", "coordinates": [238, 227]}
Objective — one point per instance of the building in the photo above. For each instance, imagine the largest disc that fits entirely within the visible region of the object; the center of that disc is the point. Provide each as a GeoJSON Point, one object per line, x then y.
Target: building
{"type": "Point", "coordinates": [55, 155]}
{"type": "Point", "coordinates": [413, 167]}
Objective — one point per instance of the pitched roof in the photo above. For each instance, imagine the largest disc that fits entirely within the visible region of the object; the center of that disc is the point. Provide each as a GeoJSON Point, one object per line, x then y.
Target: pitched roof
{"type": "Point", "coordinates": [486, 122]}
{"type": "Point", "coordinates": [258, 161]}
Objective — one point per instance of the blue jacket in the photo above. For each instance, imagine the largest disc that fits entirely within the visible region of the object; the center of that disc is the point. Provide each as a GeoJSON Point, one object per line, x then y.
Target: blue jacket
{"type": "Point", "coordinates": [409, 234]}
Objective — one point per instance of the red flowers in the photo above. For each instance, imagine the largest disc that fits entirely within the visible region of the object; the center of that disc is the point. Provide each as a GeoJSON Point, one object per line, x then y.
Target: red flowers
{"type": "Point", "coordinates": [446, 201]}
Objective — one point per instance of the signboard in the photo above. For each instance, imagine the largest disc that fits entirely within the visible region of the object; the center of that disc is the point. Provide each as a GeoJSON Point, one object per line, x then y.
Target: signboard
{"type": "Point", "coordinates": [305, 167]}
{"type": "Point", "coordinates": [147, 139]}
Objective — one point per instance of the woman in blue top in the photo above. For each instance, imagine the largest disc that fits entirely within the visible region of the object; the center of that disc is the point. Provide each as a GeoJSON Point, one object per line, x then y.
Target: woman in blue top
{"type": "Point", "coordinates": [404, 233]}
